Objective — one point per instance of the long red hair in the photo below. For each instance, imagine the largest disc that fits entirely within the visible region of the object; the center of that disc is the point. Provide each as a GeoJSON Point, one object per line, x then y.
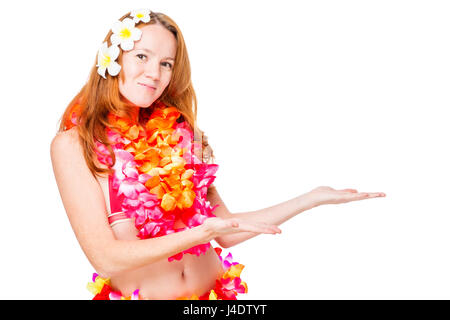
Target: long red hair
{"type": "Point", "coordinates": [100, 96]}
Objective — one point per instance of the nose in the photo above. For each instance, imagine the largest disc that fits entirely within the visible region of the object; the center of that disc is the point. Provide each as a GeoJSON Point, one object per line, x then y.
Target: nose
{"type": "Point", "coordinates": [152, 70]}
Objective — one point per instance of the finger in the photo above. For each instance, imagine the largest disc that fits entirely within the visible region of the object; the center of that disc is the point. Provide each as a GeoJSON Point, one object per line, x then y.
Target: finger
{"type": "Point", "coordinates": [356, 196]}
{"type": "Point", "coordinates": [274, 229]}
{"type": "Point", "coordinates": [278, 230]}
{"type": "Point", "coordinates": [367, 195]}
{"type": "Point", "coordinates": [269, 229]}
{"type": "Point", "coordinates": [259, 228]}
{"type": "Point", "coordinates": [347, 190]}
{"type": "Point", "coordinates": [376, 194]}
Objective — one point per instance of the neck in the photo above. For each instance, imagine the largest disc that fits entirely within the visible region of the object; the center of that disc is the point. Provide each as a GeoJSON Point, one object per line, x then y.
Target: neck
{"type": "Point", "coordinates": [135, 113]}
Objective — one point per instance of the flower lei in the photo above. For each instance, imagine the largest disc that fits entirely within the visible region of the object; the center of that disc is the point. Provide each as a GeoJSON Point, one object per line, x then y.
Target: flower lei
{"type": "Point", "coordinates": [227, 287]}
{"type": "Point", "coordinates": [159, 175]}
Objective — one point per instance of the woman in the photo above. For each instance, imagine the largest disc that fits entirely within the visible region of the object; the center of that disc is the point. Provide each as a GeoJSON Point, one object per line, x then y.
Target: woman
{"type": "Point", "coordinates": [135, 174]}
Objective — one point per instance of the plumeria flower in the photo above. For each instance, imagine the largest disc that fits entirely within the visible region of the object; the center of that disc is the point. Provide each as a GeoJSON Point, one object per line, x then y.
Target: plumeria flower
{"type": "Point", "coordinates": [141, 15]}
{"type": "Point", "coordinates": [106, 60]}
{"type": "Point", "coordinates": [125, 33]}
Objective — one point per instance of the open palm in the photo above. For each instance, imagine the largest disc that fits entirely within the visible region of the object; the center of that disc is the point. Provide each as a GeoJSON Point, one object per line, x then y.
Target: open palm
{"type": "Point", "coordinates": [328, 195]}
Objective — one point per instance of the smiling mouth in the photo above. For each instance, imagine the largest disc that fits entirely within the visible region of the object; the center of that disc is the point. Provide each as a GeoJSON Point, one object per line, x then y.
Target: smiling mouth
{"type": "Point", "coordinates": [150, 87]}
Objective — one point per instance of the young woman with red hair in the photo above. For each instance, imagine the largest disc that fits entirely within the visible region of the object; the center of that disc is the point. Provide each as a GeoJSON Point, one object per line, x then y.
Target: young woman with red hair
{"type": "Point", "coordinates": [135, 174]}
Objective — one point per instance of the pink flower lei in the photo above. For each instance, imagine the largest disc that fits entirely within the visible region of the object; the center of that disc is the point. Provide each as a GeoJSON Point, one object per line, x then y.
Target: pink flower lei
{"type": "Point", "coordinates": [158, 174]}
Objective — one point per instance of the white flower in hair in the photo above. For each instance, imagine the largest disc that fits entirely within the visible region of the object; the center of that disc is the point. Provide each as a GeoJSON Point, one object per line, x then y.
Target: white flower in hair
{"type": "Point", "coordinates": [141, 15]}
{"type": "Point", "coordinates": [125, 33]}
{"type": "Point", "coordinates": [106, 60]}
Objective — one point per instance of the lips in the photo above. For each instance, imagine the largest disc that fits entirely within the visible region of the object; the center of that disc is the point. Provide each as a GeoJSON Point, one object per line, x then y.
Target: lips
{"type": "Point", "coordinates": [148, 86]}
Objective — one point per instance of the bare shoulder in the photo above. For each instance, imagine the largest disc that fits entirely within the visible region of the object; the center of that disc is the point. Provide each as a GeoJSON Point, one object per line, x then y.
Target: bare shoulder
{"type": "Point", "coordinates": [66, 146]}
{"type": "Point", "coordinates": [67, 154]}
{"type": "Point", "coordinates": [66, 141]}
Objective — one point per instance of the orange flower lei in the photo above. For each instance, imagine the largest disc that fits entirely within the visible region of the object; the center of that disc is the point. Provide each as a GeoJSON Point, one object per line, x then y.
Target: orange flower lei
{"type": "Point", "coordinates": [161, 179]}
{"type": "Point", "coordinates": [158, 174]}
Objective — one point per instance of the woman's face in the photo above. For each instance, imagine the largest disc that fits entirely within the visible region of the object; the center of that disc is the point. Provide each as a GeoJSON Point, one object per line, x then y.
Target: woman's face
{"type": "Point", "coordinates": [147, 68]}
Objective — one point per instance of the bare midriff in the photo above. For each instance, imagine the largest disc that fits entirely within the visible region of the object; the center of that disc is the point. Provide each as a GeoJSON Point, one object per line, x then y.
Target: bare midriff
{"type": "Point", "coordinates": [163, 279]}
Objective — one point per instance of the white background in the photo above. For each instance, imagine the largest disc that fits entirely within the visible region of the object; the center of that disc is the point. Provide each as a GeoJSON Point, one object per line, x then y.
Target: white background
{"type": "Point", "coordinates": [292, 95]}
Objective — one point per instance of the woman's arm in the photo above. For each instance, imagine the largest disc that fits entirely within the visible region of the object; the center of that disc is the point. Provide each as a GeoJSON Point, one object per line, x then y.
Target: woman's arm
{"type": "Point", "coordinates": [277, 214]}
{"type": "Point", "coordinates": [274, 215]}
{"type": "Point", "coordinates": [85, 206]}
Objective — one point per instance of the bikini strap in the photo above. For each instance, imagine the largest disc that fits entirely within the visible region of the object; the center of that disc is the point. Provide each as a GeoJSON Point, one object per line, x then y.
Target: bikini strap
{"type": "Point", "coordinates": [117, 217]}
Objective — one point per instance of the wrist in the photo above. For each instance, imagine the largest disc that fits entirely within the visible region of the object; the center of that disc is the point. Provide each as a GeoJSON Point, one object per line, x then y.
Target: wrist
{"type": "Point", "coordinates": [206, 233]}
{"type": "Point", "coordinates": [310, 200]}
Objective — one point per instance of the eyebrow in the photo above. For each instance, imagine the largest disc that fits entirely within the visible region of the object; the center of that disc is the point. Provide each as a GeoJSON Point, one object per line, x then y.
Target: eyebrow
{"type": "Point", "coordinates": [150, 51]}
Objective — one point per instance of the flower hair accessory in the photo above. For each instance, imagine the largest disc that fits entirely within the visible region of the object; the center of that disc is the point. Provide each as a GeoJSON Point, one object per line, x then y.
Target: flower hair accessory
{"type": "Point", "coordinates": [141, 15]}
{"type": "Point", "coordinates": [106, 60]}
{"type": "Point", "coordinates": [124, 35]}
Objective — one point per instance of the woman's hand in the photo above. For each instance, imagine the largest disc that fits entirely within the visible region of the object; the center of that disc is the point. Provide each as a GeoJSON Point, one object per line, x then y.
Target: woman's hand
{"type": "Point", "coordinates": [328, 195]}
{"type": "Point", "coordinates": [219, 226]}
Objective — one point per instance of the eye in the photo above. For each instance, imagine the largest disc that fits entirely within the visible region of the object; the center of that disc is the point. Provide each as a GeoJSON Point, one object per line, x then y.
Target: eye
{"type": "Point", "coordinates": [140, 54]}
{"type": "Point", "coordinates": [169, 64]}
